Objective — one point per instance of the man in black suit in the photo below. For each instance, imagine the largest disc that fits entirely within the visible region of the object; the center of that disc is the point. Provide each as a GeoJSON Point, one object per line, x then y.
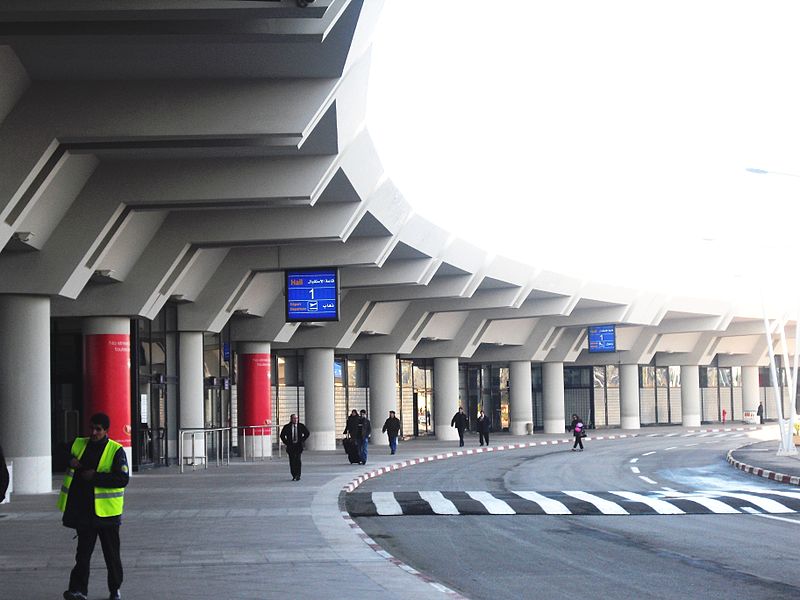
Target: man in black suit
{"type": "Point", "coordinates": [459, 421]}
{"type": "Point", "coordinates": [294, 434]}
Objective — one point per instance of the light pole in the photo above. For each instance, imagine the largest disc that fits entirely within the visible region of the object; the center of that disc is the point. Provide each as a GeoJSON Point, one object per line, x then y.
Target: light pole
{"type": "Point", "coordinates": [786, 426]}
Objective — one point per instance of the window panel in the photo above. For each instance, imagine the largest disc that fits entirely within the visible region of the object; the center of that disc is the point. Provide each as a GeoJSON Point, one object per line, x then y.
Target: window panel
{"type": "Point", "coordinates": [647, 377]}
{"type": "Point", "coordinates": [599, 376]}
{"type": "Point", "coordinates": [612, 376]}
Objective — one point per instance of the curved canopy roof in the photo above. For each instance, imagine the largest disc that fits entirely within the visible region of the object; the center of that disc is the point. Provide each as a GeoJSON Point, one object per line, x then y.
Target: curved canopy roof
{"type": "Point", "coordinates": [189, 152]}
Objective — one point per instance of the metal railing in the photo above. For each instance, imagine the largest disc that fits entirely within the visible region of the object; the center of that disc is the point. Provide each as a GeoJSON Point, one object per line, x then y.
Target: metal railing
{"type": "Point", "coordinates": [257, 430]}
{"type": "Point", "coordinates": [222, 435]}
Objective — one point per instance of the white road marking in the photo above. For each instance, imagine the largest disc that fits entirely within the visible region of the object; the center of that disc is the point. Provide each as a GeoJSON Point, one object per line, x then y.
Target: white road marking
{"type": "Point", "coordinates": [386, 504]}
{"type": "Point", "coordinates": [688, 445]}
{"type": "Point", "coordinates": [549, 506]}
{"type": "Point", "coordinates": [671, 434]}
{"type": "Point", "coordinates": [710, 503]}
{"type": "Point", "coordinates": [660, 506]}
{"type": "Point", "coordinates": [495, 506]}
{"type": "Point", "coordinates": [649, 453]}
{"type": "Point", "coordinates": [648, 480]}
{"type": "Point", "coordinates": [669, 489]}
{"type": "Point", "coordinates": [764, 503]}
{"type": "Point", "coordinates": [604, 506]}
{"type": "Point", "coordinates": [786, 494]}
{"type": "Point", "coordinates": [754, 512]}
{"type": "Point", "coordinates": [439, 504]}
{"type": "Point", "coordinates": [635, 469]}
{"type": "Point", "coordinates": [633, 460]}
{"type": "Point", "coordinates": [671, 448]}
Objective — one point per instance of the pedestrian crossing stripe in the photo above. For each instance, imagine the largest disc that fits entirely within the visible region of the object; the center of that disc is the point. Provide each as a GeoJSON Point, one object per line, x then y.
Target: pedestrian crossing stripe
{"type": "Point", "coordinates": [570, 502]}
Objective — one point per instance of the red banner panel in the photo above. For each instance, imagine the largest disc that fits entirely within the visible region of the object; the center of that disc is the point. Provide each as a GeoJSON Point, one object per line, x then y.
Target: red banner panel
{"type": "Point", "coordinates": [107, 382]}
{"type": "Point", "coordinates": [254, 390]}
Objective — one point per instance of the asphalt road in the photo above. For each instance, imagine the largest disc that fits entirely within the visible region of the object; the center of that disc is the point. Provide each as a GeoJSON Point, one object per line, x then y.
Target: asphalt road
{"type": "Point", "coordinates": [550, 556]}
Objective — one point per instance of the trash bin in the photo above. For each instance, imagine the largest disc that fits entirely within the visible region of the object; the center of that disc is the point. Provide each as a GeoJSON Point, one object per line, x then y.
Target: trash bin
{"type": "Point", "coordinates": [529, 428]}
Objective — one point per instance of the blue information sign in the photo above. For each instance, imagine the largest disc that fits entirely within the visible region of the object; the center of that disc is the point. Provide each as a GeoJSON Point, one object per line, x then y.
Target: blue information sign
{"type": "Point", "coordinates": [602, 338]}
{"type": "Point", "coordinates": [312, 295]}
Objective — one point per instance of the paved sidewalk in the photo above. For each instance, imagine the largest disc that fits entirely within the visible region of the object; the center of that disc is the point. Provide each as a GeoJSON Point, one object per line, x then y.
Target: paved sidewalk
{"type": "Point", "coordinates": [246, 531]}
{"type": "Point", "coordinates": [760, 458]}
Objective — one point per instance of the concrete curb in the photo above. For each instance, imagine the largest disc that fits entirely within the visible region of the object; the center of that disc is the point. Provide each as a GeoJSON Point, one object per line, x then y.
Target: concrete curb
{"type": "Point", "coordinates": [758, 471]}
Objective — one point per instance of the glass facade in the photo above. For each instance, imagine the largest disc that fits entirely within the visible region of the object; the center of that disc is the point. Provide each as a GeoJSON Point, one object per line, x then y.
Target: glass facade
{"type": "Point", "coordinates": [592, 392]}
{"type": "Point", "coordinates": [154, 345]}
{"type": "Point", "coordinates": [486, 388]}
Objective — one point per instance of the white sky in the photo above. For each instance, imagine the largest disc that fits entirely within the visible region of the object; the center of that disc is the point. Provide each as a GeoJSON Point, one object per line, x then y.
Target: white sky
{"type": "Point", "coordinates": [605, 138]}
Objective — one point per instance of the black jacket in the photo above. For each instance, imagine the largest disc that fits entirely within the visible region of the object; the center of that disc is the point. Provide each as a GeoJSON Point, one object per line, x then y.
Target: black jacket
{"type": "Point", "coordinates": [352, 426]}
{"type": "Point", "coordinates": [79, 511]}
{"type": "Point", "coordinates": [573, 426]}
{"type": "Point", "coordinates": [459, 421]}
{"type": "Point", "coordinates": [391, 427]}
{"type": "Point", "coordinates": [364, 428]}
{"type": "Point", "coordinates": [484, 424]}
{"type": "Point", "coordinates": [302, 436]}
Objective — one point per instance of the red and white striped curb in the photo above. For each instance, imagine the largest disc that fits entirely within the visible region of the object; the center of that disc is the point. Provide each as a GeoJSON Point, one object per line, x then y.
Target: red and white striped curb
{"type": "Point", "coordinates": [452, 454]}
{"type": "Point", "coordinates": [766, 473]}
{"type": "Point", "coordinates": [399, 563]}
{"type": "Point", "coordinates": [722, 429]}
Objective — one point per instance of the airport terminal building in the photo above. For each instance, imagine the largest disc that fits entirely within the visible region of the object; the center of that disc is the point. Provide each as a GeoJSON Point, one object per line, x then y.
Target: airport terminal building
{"type": "Point", "coordinates": [198, 234]}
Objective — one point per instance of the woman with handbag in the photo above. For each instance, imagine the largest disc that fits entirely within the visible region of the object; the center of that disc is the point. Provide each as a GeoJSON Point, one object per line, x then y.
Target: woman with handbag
{"type": "Point", "coordinates": [579, 431]}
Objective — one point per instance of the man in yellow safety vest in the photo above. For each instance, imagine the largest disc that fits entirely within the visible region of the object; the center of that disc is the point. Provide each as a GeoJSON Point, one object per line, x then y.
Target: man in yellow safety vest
{"type": "Point", "coordinates": [91, 499]}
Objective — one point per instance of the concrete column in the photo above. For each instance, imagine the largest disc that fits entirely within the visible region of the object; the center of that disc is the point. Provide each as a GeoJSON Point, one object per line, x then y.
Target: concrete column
{"type": "Point", "coordinates": [190, 389]}
{"type": "Point", "coordinates": [690, 395]}
{"type": "Point", "coordinates": [107, 376]}
{"type": "Point", "coordinates": [382, 393]}
{"type": "Point", "coordinates": [445, 397]}
{"type": "Point", "coordinates": [553, 397]}
{"type": "Point", "coordinates": [254, 391]}
{"type": "Point", "coordinates": [521, 397]}
{"type": "Point", "coordinates": [320, 418]}
{"type": "Point", "coordinates": [750, 390]}
{"type": "Point", "coordinates": [25, 391]}
{"type": "Point", "coordinates": [629, 397]}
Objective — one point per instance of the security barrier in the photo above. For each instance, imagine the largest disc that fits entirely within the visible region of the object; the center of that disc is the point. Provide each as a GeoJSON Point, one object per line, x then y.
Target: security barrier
{"type": "Point", "coordinates": [222, 435]}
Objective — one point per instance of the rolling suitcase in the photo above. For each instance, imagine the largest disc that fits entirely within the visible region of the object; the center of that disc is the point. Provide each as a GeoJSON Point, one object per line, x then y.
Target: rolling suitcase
{"type": "Point", "coordinates": [351, 448]}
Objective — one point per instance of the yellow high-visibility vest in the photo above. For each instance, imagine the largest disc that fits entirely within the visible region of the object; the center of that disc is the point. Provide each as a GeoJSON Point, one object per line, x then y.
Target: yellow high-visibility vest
{"type": "Point", "coordinates": [108, 502]}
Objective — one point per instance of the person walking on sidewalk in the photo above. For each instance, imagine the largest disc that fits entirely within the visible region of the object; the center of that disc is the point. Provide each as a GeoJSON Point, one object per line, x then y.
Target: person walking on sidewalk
{"type": "Point", "coordinates": [579, 431]}
{"type": "Point", "coordinates": [364, 431]}
{"type": "Point", "coordinates": [760, 413]}
{"type": "Point", "coordinates": [484, 426]}
{"type": "Point", "coordinates": [5, 478]}
{"type": "Point", "coordinates": [91, 499]}
{"type": "Point", "coordinates": [459, 421]}
{"type": "Point", "coordinates": [391, 427]}
{"type": "Point", "coordinates": [293, 435]}
{"type": "Point", "coordinates": [351, 426]}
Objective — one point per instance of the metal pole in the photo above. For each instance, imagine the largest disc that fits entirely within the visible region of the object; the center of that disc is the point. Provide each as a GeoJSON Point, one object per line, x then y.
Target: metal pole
{"type": "Point", "coordinates": [180, 448]}
{"type": "Point", "coordinates": [774, 376]}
